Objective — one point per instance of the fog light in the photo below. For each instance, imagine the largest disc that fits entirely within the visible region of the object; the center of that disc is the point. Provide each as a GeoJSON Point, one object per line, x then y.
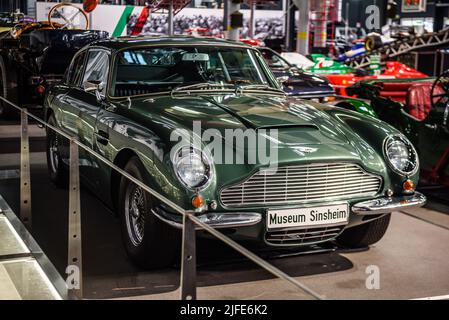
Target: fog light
{"type": "Point", "coordinates": [408, 186]}
{"type": "Point", "coordinates": [198, 201]}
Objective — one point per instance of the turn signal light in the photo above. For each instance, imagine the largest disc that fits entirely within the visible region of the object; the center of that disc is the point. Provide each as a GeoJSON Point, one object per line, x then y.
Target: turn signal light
{"type": "Point", "coordinates": [408, 186]}
{"type": "Point", "coordinates": [198, 201]}
{"type": "Point", "coordinates": [40, 89]}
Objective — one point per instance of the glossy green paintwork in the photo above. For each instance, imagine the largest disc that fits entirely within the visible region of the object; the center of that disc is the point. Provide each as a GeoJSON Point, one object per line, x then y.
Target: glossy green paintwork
{"type": "Point", "coordinates": [142, 126]}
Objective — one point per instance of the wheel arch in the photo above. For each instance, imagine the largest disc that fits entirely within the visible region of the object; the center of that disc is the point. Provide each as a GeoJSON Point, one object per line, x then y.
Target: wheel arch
{"type": "Point", "coordinates": [120, 160]}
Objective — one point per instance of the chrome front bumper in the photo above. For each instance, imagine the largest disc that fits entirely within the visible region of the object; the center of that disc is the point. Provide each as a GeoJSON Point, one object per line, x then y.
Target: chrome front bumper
{"type": "Point", "coordinates": [389, 204]}
{"type": "Point", "coordinates": [245, 219]}
{"type": "Point", "coordinates": [215, 220]}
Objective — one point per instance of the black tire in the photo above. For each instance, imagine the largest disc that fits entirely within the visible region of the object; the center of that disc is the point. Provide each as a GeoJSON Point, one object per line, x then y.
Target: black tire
{"type": "Point", "coordinates": [365, 234]}
{"type": "Point", "coordinates": [373, 42]}
{"type": "Point", "coordinates": [57, 170]}
{"type": "Point", "coordinates": [8, 88]}
{"type": "Point", "coordinates": [149, 242]}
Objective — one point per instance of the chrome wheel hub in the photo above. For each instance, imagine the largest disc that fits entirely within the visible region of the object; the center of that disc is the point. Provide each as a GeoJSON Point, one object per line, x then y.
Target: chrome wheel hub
{"type": "Point", "coordinates": [135, 213]}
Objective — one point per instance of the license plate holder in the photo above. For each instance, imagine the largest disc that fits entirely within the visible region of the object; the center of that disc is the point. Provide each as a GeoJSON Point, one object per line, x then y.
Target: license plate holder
{"type": "Point", "coordinates": [307, 217]}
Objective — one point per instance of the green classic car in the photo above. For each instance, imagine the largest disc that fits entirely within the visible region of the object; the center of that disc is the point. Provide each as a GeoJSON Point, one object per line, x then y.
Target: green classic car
{"type": "Point", "coordinates": [190, 118]}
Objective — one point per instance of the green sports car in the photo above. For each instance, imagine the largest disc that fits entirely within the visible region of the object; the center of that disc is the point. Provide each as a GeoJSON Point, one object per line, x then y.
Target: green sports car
{"type": "Point", "coordinates": [205, 124]}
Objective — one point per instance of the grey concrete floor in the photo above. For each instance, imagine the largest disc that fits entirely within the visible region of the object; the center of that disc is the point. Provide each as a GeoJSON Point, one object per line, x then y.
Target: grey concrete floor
{"type": "Point", "coordinates": [413, 258]}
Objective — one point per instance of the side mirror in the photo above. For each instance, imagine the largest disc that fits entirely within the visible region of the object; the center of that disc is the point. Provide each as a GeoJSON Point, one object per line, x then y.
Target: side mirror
{"type": "Point", "coordinates": [94, 86]}
{"type": "Point", "coordinates": [282, 80]}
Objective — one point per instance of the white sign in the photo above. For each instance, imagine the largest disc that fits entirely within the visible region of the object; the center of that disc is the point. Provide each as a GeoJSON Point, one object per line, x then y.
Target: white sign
{"type": "Point", "coordinates": [305, 217]}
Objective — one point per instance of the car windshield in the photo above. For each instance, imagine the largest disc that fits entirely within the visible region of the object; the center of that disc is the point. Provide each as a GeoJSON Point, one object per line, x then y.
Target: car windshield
{"type": "Point", "coordinates": [160, 69]}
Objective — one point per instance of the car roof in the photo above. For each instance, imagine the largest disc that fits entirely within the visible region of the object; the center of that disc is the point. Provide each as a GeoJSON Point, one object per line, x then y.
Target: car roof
{"type": "Point", "coordinates": [119, 43]}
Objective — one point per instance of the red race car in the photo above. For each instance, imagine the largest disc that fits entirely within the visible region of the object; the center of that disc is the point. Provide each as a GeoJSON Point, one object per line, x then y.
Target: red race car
{"type": "Point", "coordinates": [394, 70]}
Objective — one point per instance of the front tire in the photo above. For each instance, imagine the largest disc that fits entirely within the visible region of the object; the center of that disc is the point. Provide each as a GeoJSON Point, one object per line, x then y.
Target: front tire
{"type": "Point", "coordinates": [365, 234]}
{"type": "Point", "coordinates": [57, 170]}
{"type": "Point", "coordinates": [149, 242]}
{"type": "Point", "coordinates": [373, 42]}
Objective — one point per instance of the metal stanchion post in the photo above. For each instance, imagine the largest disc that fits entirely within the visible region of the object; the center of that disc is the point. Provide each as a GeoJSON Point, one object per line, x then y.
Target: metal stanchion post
{"type": "Point", "coordinates": [171, 29]}
{"type": "Point", "coordinates": [188, 263]}
{"type": "Point", "coordinates": [25, 177]}
{"type": "Point", "coordinates": [75, 250]}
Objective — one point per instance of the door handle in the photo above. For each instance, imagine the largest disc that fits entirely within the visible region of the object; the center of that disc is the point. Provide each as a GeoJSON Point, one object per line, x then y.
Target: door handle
{"type": "Point", "coordinates": [102, 137]}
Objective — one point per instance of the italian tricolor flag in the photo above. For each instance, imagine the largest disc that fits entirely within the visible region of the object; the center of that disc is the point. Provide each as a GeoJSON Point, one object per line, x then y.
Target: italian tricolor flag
{"type": "Point", "coordinates": [142, 12]}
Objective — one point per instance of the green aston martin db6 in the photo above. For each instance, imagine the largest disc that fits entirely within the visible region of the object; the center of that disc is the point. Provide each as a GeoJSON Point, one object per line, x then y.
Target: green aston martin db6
{"type": "Point", "coordinates": [205, 124]}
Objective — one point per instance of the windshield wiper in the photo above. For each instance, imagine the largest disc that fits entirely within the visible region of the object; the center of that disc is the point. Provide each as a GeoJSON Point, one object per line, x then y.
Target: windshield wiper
{"type": "Point", "coordinates": [257, 87]}
{"type": "Point", "coordinates": [199, 86]}
{"type": "Point", "coordinates": [239, 88]}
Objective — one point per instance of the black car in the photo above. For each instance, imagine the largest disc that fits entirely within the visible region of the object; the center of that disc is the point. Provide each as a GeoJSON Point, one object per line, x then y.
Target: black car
{"type": "Point", "coordinates": [297, 82]}
{"type": "Point", "coordinates": [34, 56]}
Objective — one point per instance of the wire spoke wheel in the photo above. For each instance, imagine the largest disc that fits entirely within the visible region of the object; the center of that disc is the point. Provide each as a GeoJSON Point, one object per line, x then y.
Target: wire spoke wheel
{"type": "Point", "coordinates": [149, 242]}
{"type": "Point", "coordinates": [135, 213]}
{"type": "Point", "coordinates": [440, 90]}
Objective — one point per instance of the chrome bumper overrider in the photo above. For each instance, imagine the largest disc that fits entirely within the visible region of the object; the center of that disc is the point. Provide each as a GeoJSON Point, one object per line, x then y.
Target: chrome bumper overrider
{"type": "Point", "coordinates": [389, 204]}
{"type": "Point", "coordinates": [214, 220]}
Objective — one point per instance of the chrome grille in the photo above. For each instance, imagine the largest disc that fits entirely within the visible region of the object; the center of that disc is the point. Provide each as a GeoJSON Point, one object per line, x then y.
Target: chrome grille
{"type": "Point", "coordinates": [296, 184]}
{"type": "Point", "coordinates": [304, 236]}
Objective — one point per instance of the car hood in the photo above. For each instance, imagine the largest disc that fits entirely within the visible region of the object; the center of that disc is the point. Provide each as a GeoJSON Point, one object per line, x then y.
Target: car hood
{"type": "Point", "coordinates": [306, 131]}
{"type": "Point", "coordinates": [297, 121]}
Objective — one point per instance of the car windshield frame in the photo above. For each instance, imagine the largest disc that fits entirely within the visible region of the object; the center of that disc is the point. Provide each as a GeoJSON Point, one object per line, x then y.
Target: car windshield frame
{"type": "Point", "coordinates": [256, 57]}
{"type": "Point", "coordinates": [287, 64]}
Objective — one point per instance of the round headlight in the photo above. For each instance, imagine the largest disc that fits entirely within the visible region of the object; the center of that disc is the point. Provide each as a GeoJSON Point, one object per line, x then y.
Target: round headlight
{"type": "Point", "coordinates": [401, 155]}
{"type": "Point", "coordinates": [192, 168]}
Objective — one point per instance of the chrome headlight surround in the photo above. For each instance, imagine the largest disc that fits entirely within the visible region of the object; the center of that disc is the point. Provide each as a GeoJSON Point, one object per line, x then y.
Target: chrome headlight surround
{"type": "Point", "coordinates": [401, 155]}
{"type": "Point", "coordinates": [192, 168]}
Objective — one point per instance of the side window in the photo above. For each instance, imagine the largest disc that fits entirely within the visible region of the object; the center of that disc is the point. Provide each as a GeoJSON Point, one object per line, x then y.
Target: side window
{"type": "Point", "coordinates": [97, 68]}
{"type": "Point", "coordinates": [74, 74]}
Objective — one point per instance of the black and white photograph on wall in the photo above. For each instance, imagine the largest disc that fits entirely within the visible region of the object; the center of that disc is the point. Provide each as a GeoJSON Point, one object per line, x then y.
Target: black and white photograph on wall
{"type": "Point", "coordinates": [268, 24]}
